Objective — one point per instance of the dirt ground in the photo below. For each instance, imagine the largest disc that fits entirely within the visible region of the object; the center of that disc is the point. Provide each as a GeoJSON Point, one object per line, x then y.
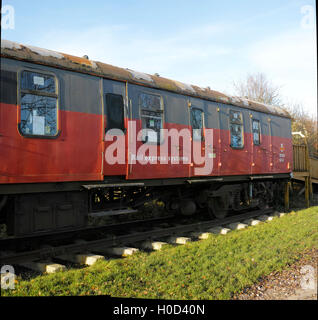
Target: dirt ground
{"type": "Point", "coordinates": [296, 282]}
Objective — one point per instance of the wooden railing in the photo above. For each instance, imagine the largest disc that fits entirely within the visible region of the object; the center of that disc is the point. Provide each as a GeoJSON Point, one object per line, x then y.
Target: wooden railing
{"type": "Point", "coordinates": [305, 169]}
{"type": "Point", "coordinates": [301, 159]}
{"type": "Point", "coordinates": [314, 168]}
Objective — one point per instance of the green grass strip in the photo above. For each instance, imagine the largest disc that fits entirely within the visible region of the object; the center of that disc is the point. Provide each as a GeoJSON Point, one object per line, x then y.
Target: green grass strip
{"type": "Point", "coordinates": [215, 268]}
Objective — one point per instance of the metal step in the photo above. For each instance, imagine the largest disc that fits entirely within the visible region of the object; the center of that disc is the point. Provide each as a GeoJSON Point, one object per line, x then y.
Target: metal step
{"type": "Point", "coordinates": [111, 185]}
{"type": "Point", "coordinates": [109, 213]}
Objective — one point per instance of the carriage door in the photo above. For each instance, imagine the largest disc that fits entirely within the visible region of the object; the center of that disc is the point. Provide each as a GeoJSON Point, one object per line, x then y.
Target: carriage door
{"type": "Point", "coordinates": [197, 123]}
{"type": "Point", "coordinates": [266, 145]}
{"type": "Point", "coordinates": [114, 128]}
{"type": "Point", "coordinates": [257, 152]}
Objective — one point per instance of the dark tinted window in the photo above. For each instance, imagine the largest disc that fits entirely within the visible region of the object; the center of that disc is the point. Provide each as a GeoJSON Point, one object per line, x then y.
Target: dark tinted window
{"type": "Point", "coordinates": [151, 112]}
{"type": "Point", "coordinates": [236, 136]}
{"type": "Point", "coordinates": [236, 129]}
{"type": "Point", "coordinates": [115, 112]}
{"type": "Point", "coordinates": [37, 82]}
{"type": "Point", "coordinates": [150, 102]}
{"type": "Point", "coordinates": [256, 132]}
{"type": "Point", "coordinates": [197, 123]}
{"type": "Point", "coordinates": [236, 117]}
{"type": "Point", "coordinates": [38, 115]}
{"type": "Point", "coordinates": [38, 104]}
{"type": "Point", "coordinates": [8, 87]}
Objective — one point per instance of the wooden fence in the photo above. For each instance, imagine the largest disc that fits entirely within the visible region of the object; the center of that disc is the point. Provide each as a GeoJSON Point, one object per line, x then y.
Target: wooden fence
{"type": "Point", "coordinates": [301, 158]}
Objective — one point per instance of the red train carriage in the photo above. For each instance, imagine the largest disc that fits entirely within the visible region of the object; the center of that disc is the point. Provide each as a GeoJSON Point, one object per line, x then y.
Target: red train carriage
{"type": "Point", "coordinates": [74, 130]}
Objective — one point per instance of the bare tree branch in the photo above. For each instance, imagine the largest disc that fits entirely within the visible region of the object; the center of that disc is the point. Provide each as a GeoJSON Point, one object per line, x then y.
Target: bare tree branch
{"type": "Point", "coordinates": [256, 87]}
{"type": "Point", "coordinates": [305, 123]}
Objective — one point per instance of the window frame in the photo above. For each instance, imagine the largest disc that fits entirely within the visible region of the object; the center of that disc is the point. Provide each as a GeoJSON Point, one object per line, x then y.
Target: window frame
{"type": "Point", "coordinates": [162, 111]}
{"type": "Point", "coordinates": [38, 93]}
{"type": "Point", "coordinates": [203, 123]}
{"type": "Point", "coordinates": [124, 129]}
{"type": "Point", "coordinates": [241, 124]}
{"type": "Point", "coordinates": [259, 132]}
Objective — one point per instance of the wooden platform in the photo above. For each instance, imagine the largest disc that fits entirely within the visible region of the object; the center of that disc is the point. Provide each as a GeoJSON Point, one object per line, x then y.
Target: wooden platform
{"type": "Point", "coordinates": [304, 166]}
{"type": "Point", "coordinates": [305, 169]}
{"type": "Point", "coordinates": [314, 170]}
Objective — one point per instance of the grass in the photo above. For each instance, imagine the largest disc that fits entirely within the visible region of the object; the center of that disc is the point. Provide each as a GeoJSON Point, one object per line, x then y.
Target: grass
{"type": "Point", "coordinates": [215, 268]}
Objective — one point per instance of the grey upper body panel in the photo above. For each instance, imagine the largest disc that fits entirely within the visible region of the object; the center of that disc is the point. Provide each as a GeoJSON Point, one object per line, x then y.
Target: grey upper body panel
{"type": "Point", "coordinates": [58, 60]}
{"type": "Point", "coordinates": [76, 91]}
{"type": "Point", "coordinates": [79, 92]}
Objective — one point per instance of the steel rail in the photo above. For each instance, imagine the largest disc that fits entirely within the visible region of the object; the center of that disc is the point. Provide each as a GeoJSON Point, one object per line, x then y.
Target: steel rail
{"type": "Point", "coordinates": [51, 252]}
{"type": "Point", "coordinates": [11, 242]}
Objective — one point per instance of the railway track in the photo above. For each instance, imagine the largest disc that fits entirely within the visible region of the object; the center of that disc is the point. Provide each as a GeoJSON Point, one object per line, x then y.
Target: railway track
{"type": "Point", "coordinates": [21, 243]}
{"type": "Point", "coordinates": [81, 251]}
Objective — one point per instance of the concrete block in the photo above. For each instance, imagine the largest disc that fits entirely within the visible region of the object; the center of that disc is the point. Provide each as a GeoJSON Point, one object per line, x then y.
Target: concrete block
{"type": "Point", "coordinates": [179, 240]}
{"type": "Point", "coordinates": [156, 245]}
{"type": "Point", "coordinates": [48, 267]}
{"type": "Point", "coordinates": [119, 251]}
{"type": "Point", "coordinates": [264, 218]}
{"type": "Point", "coordinates": [279, 214]}
{"type": "Point", "coordinates": [201, 235]}
{"type": "Point", "coordinates": [84, 259]}
{"type": "Point", "coordinates": [219, 230]}
{"type": "Point", "coordinates": [252, 222]}
{"type": "Point", "coordinates": [89, 259]}
{"type": "Point", "coordinates": [55, 267]}
{"type": "Point", "coordinates": [237, 226]}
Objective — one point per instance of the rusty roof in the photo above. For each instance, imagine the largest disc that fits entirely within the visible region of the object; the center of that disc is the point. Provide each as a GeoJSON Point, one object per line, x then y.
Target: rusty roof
{"type": "Point", "coordinates": [10, 49]}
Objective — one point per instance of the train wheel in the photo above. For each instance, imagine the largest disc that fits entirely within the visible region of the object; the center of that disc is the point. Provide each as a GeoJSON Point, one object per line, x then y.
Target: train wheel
{"type": "Point", "coordinates": [219, 206]}
{"type": "Point", "coordinates": [172, 206]}
{"type": "Point", "coordinates": [262, 203]}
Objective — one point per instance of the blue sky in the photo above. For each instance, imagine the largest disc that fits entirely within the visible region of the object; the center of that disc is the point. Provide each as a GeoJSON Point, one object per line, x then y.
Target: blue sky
{"type": "Point", "coordinates": [204, 42]}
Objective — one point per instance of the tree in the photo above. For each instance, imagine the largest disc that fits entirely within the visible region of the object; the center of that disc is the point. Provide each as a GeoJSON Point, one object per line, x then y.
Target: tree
{"type": "Point", "coordinates": [258, 88]}
{"type": "Point", "coordinates": [303, 122]}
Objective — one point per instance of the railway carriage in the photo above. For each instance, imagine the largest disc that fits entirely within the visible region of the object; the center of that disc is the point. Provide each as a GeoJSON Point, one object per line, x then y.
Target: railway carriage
{"type": "Point", "coordinates": [62, 117]}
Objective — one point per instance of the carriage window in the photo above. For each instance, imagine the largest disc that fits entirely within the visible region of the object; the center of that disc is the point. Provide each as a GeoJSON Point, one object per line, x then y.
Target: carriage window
{"type": "Point", "coordinates": [115, 112]}
{"type": "Point", "coordinates": [151, 111]}
{"type": "Point", "coordinates": [38, 105]}
{"type": "Point", "coordinates": [197, 123]}
{"type": "Point", "coordinates": [256, 132]}
{"type": "Point", "coordinates": [236, 129]}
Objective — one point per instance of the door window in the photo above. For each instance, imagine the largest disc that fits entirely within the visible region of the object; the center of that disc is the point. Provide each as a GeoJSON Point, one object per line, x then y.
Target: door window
{"type": "Point", "coordinates": [151, 111]}
{"type": "Point", "coordinates": [38, 99]}
{"type": "Point", "coordinates": [115, 112]}
{"type": "Point", "coordinates": [197, 123]}
{"type": "Point", "coordinates": [236, 129]}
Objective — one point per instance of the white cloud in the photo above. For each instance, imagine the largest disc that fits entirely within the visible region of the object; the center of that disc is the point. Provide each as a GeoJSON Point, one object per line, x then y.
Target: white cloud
{"type": "Point", "coordinates": [143, 52]}
{"type": "Point", "coordinates": [289, 60]}
{"type": "Point", "coordinates": [199, 55]}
